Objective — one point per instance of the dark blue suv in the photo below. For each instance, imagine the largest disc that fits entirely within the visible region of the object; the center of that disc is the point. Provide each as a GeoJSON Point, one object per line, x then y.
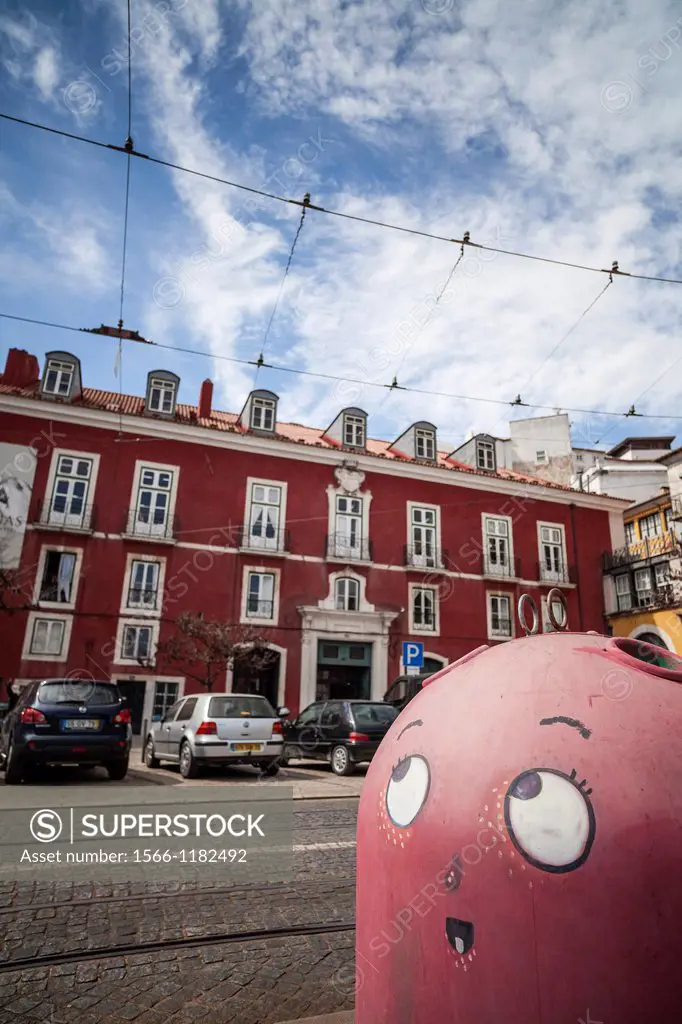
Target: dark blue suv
{"type": "Point", "coordinates": [66, 721]}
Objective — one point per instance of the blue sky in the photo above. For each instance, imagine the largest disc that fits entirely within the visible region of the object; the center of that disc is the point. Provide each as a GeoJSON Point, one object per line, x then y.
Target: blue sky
{"type": "Point", "coordinates": [546, 127]}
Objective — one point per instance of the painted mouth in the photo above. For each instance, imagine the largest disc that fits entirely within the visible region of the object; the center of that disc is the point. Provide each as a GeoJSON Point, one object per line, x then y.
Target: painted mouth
{"type": "Point", "coordinates": [460, 934]}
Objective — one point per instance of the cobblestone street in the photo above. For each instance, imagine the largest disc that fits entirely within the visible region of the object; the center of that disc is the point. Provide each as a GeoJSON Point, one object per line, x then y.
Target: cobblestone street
{"type": "Point", "coordinates": [194, 968]}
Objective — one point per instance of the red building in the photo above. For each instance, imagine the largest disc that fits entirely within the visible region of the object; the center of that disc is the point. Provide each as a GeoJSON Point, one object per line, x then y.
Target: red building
{"type": "Point", "coordinates": [121, 513]}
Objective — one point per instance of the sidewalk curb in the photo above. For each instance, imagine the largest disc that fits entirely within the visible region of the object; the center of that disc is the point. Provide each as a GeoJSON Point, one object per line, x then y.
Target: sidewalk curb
{"type": "Point", "coordinates": [345, 1017]}
{"type": "Point", "coordinates": [158, 780]}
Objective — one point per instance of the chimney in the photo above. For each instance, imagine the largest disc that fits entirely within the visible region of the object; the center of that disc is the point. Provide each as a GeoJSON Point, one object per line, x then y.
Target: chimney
{"type": "Point", "coordinates": [21, 369]}
{"type": "Point", "coordinates": [205, 398]}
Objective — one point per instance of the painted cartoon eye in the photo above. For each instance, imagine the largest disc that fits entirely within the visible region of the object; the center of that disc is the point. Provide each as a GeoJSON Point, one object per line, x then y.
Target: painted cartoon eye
{"type": "Point", "coordinates": [550, 819]}
{"type": "Point", "coordinates": [407, 790]}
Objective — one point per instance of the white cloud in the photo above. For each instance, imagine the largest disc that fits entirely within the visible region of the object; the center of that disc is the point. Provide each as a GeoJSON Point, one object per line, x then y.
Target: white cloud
{"type": "Point", "coordinates": [30, 53]}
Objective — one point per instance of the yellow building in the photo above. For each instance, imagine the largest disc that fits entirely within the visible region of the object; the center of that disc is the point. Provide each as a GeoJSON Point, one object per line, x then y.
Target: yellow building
{"type": "Point", "coordinates": [643, 580]}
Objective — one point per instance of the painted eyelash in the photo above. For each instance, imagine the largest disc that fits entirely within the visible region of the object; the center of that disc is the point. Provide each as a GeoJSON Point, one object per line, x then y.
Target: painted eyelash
{"type": "Point", "coordinates": [573, 777]}
{"type": "Point", "coordinates": [401, 760]}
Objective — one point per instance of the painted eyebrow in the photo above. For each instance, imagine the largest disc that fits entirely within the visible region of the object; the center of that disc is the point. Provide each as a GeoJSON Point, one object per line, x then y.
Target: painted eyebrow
{"type": "Point", "coordinates": [583, 730]}
{"type": "Point", "coordinates": [410, 725]}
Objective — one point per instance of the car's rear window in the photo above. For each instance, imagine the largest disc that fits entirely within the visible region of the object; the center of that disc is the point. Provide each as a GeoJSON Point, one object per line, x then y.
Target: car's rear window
{"type": "Point", "coordinates": [373, 714]}
{"type": "Point", "coordinates": [235, 706]}
{"type": "Point", "coordinates": [78, 691]}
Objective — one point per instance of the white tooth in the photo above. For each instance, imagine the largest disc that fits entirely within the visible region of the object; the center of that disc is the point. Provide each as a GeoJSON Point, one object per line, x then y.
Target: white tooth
{"type": "Point", "coordinates": [459, 945]}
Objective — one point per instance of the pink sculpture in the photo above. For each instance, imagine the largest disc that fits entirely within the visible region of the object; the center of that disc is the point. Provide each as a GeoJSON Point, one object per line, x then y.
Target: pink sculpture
{"type": "Point", "coordinates": [520, 842]}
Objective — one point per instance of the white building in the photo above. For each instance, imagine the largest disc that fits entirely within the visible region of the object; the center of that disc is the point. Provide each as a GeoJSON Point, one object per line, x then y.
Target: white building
{"type": "Point", "coordinates": [631, 469]}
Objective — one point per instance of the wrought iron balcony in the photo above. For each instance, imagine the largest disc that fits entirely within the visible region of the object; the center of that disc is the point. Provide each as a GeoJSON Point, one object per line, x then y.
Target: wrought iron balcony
{"type": "Point", "coordinates": [141, 599]}
{"type": "Point", "coordinates": [424, 556]}
{"type": "Point", "coordinates": [345, 548]}
{"type": "Point", "coordinates": [495, 569]}
{"type": "Point", "coordinates": [148, 528]}
{"type": "Point", "coordinates": [665, 595]}
{"type": "Point", "coordinates": [266, 539]}
{"type": "Point", "coordinates": [563, 574]}
{"type": "Point", "coordinates": [642, 551]}
{"type": "Point", "coordinates": [259, 609]}
{"type": "Point", "coordinates": [73, 516]}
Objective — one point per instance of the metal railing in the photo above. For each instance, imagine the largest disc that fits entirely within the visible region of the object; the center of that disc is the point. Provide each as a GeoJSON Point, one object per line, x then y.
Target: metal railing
{"type": "Point", "coordinates": [642, 550]}
{"type": "Point", "coordinates": [259, 609]}
{"type": "Point", "coordinates": [564, 573]}
{"type": "Point", "coordinates": [507, 569]}
{"type": "Point", "coordinates": [424, 556]}
{"type": "Point", "coordinates": [268, 540]}
{"type": "Point", "coordinates": [81, 520]}
{"type": "Point", "coordinates": [340, 545]}
{"type": "Point", "coordinates": [139, 597]}
{"type": "Point", "coordinates": [146, 528]}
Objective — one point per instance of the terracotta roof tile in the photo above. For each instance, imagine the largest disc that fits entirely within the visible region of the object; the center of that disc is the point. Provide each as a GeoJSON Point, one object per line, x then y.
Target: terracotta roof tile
{"type": "Point", "coordinates": [133, 405]}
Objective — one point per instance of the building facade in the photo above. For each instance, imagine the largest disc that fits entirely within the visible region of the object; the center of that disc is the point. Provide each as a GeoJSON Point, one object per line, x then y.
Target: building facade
{"type": "Point", "coordinates": [336, 546]}
{"type": "Point", "coordinates": [643, 579]}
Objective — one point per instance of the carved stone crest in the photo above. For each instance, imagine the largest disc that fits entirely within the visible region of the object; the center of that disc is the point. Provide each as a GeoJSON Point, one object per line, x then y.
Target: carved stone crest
{"type": "Point", "coordinates": [349, 477]}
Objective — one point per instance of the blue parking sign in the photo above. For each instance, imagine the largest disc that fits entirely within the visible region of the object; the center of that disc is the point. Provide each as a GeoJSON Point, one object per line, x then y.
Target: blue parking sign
{"type": "Point", "coordinates": [413, 654]}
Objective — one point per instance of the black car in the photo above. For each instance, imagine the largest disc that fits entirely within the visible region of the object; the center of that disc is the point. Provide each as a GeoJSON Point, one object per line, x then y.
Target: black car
{"type": "Point", "coordinates": [66, 721]}
{"type": "Point", "coordinates": [404, 689]}
{"type": "Point", "coordinates": [343, 732]}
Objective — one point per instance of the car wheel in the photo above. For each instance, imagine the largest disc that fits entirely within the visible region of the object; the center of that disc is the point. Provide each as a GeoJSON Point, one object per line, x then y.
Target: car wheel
{"type": "Point", "coordinates": [14, 769]}
{"type": "Point", "coordinates": [269, 768]}
{"type": "Point", "coordinates": [188, 764]}
{"type": "Point", "coordinates": [117, 770]}
{"type": "Point", "coordinates": [150, 758]}
{"type": "Point", "coordinates": [341, 762]}
{"type": "Point", "coordinates": [283, 759]}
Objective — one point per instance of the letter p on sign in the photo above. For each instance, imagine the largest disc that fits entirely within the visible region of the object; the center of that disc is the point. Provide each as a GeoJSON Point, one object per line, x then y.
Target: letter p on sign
{"type": "Point", "coordinates": [413, 654]}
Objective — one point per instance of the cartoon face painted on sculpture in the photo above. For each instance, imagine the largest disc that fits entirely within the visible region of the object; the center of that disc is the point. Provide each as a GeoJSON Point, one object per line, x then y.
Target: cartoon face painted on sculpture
{"type": "Point", "coordinates": [517, 840]}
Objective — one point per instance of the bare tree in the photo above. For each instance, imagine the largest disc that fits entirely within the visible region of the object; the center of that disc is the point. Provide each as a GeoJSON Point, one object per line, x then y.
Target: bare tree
{"type": "Point", "coordinates": [204, 650]}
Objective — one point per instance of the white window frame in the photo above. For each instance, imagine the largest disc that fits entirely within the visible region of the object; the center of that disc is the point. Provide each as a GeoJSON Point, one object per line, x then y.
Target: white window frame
{"type": "Point", "coordinates": [631, 528]}
{"type": "Point", "coordinates": [667, 577]}
{"type": "Point", "coordinates": [658, 530]}
{"type": "Point", "coordinates": [489, 614]}
{"type": "Point", "coordinates": [415, 627]}
{"type": "Point", "coordinates": [60, 366]}
{"type": "Point", "coordinates": [487, 447]}
{"type": "Point", "coordinates": [247, 540]}
{"type": "Point", "coordinates": [428, 440]}
{"type": "Point", "coordinates": [346, 577]}
{"type": "Point", "coordinates": [559, 613]}
{"type": "Point", "coordinates": [488, 568]}
{"type": "Point", "coordinates": [261, 570]}
{"type": "Point", "coordinates": [358, 424]}
{"type": "Point", "coordinates": [546, 575]}
{"type": "Point", "coordinates": [131, 526]}
{"type": "Point", "coordinates": [164, 387]}
{"type": "Point", "coordinates": [63, 549]}
{"type": "Point", "coordinates": [421, 561]}
{"type": "Point", "coordinates": [32, 618]}
{"type": "Point", "coordinates": [139, 623]}
{"type": "Point", "coordinates": [264, 406]}
{"type": "Point", "coordinates": [638, 574]}
{"type": "Point", "coordinates": [48, 517]}
{"type": "Point", "coordinates": [625, 593]}
{"type": "Point", "coordinates": [141, 610]}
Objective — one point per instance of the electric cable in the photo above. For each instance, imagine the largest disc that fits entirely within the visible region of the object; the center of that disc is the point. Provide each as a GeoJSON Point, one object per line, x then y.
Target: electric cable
{"type": "Point", "coordinates": [346, 216]}
{"type": "Point", "coordinates": [350, 380]}
{"type": "Point", "coordinates": [260, 361]}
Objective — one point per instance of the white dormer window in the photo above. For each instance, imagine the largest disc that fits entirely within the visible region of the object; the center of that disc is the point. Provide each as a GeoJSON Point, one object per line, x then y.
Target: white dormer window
{"type": "Point", "coordinates": [58, 377]}
{"type": "Point", "coordinates": [485, 455]}
{"type": "Point", "coordinates": [425, 444]}
{"type": "Point", "coordinates": [161, 395]}
{"type": "Point", "coordinates": [354, 431]}
{"type": "Point", "coordinates": [263, 414]}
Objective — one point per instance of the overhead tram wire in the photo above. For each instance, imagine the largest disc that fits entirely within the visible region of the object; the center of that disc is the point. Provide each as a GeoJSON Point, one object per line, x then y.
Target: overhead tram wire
{"type": "Point", "coordinates": [640, 396]}
{"type": "Point", "coordinates": [129, 148]}
{"type": "Point", "coordinates": [260, 361]}
{"type": "Point", "coordinates": [395, 385]}
{"type": "Point", "coordinates": [569, 332]}
{"type": "Point", "coordinates": [337, 377]}
{"type": "Point", "coordinates": [338, 213]}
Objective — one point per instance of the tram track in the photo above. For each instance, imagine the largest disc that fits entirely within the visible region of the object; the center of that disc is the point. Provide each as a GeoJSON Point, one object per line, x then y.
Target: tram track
{"type": "Point", "coordinates": [141, 948]}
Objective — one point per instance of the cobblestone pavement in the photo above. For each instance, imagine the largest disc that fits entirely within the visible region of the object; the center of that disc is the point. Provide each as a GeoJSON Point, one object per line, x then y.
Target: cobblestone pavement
{"type": "Point", "coordinates": [249, 982]}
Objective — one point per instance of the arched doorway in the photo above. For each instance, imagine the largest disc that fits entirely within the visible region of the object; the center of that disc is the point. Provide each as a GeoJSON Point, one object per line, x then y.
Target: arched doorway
{"type": "Point", "coordinates": [652, 638]}
{"type": "Point", "coordinates": [432, 665]}
{"type": "Point", "coordinates": [258, 672]}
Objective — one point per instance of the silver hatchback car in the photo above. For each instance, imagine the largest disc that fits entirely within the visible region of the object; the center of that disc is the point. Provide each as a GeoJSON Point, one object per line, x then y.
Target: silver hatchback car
{"type": "Point", "coordinates": [217, 729]}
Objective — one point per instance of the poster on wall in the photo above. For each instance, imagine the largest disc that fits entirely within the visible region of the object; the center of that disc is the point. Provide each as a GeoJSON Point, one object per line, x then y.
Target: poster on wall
{"type": "Point", "coordinates": [17, 470]}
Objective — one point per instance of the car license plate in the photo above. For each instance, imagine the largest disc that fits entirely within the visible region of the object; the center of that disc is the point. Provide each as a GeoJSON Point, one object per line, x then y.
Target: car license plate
{"type": "Point", "coordinates": [245, 746]}
{"type": "Point", "coordinates": [86, 724]}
